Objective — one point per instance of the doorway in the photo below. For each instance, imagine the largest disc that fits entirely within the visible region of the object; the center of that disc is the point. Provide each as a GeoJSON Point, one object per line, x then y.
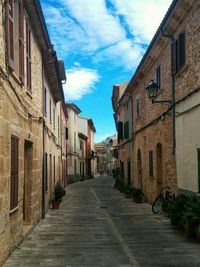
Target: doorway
{"type": "Point", "coordinates": [139, 169]}
{"type": "Point", "coordinates": [28, 181]}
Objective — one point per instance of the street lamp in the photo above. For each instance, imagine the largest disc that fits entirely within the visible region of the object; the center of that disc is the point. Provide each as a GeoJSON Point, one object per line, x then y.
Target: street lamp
{"type": "Point", "coordinates": [152, 91]}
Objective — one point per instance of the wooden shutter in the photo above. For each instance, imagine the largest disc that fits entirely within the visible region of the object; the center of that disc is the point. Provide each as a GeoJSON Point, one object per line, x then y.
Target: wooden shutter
{"type": "Point", "coordinates": [21, 41]}
{"type": "Point", "coordinates": [120, 130]}
{"type": "Point", "coordinates": [28, 57]}
{"type": "Point", "coordinates": [181, 50]}
{"type": "Point", "coordinates": [151, 163]}
{"type": "Point", "coordinates": [9, 10]}
{"type": "Point", "coordinates": [14, 172]}
{"type": "Point", "coordinates": [126, 130]}
{"type": "Point", "coordinates": [174, 57]}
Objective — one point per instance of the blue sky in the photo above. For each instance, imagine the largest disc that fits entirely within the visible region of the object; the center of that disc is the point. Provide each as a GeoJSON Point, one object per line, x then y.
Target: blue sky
{"type": "Point", "coordinates": [101, 43]}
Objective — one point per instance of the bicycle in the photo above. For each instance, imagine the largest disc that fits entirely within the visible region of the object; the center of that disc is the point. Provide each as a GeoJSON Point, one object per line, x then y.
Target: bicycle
{"type": "Point", "coordinates": [162, 200]}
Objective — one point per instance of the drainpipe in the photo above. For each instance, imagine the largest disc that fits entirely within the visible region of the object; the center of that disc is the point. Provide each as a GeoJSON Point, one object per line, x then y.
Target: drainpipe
{"type": "Point", "coordinates": [171, 37]}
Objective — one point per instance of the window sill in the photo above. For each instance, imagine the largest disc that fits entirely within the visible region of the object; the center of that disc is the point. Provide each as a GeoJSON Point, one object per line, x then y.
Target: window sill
{"type": "Point", "coordinates": [29, 93]}
{"type": "Point", "coordinates": [14, 210]}
{"type": "Point", "coordinates": [16, 78]}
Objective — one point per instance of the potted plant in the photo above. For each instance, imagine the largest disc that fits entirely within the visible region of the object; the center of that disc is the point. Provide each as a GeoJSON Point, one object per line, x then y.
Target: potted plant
{"type": "Point", "coordinates": [137, 195]}
{"type": "Point", "coordinates": [191, 216]}
{"type": "Point", "coordinates": [128, 191]}
{"type": "Point", "coordinates": [57, 196]}
{"type": "Point", "coordinates": [175, 210]}
{"type": "Point", "coordinates": [197, 230]}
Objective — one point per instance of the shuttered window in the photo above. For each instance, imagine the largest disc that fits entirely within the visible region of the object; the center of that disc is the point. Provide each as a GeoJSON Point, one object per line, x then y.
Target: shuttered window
{"type": "Point", "coordinates": [14, 172]}
{"type": "Point", "coordinates": [181, 50]}
{"type": "Point", "coordinates": [21, 41]}
{"type": "Point", "coordinates": [120, 130]}
{"type": "Point", "coordinates": [174, 56]}
{"type": "Point", "coordinates": [138, 105]}
{"type": "Point", "coordinates": [66, 133]}
{"type": "Point", "coordinates": [151, 163]}
{"type": "Point", "coordinates": [10, 32]}
{"type": "Point", "coordinates": [126, 130]}
{"type": "Point", "coordinates": [28, 57]}
{"type": "Point", "coordinates": [178, 53]}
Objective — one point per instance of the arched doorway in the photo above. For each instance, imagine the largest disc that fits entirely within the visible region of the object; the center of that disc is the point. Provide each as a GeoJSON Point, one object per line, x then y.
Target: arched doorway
{"type": "Point", "coordinates": [159, 167]}
{"type": "Point", "coordinates": [139, 169]}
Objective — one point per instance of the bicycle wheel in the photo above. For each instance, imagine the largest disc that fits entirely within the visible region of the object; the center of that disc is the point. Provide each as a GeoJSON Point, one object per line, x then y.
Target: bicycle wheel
{"type": "Point", "coordinates": [157, 204]}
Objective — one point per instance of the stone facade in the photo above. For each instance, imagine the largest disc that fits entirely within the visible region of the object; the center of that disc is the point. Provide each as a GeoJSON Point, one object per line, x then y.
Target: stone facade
{"type": "Point", "coordinates": [22, 131]}
{"type": "Point", "coordinates": [20, 113]}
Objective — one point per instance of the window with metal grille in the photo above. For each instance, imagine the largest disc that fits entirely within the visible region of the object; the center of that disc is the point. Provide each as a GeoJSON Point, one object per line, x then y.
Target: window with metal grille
{"type": "Point", "coordinates": [151, 163]}
{"type": "Point", "coordinates": [14, 172]}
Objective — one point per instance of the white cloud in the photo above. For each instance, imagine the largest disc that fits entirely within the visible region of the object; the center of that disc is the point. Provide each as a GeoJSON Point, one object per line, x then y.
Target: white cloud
{"type": "Point", "coordinates": [80, 81]}
{"type": "Point", "coordinates": [142, 17]}
{"type": "Point", "coordinates": [101, 28]}
{"type": "Point", "coordinates": [124, 53]}
{"type": "Point", "coordinates": [90, 29]}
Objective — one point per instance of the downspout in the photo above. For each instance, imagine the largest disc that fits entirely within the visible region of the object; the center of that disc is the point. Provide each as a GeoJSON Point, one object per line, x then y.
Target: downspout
{"type": "Point", "coordinates": [43, 148]}
{"type": "Point", "coordinates": [171, 37]}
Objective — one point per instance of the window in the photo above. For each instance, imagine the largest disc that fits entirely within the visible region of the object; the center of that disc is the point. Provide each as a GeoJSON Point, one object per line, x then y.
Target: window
{"type": "Point", "coordinates": [74, 166]}
{"type": "Point", "coordinates": [178, 53]}
{"type": "Point", "coordinates": [120, 130]}
{"type": "Point", "coordinates": [151, 163]}
{"type": "Point", "coordinates": [126, 130]}
{"type": "Point", "coordinates": [74, 141]}
{"type": "Point", "coordinates": [14, 172]}
{"type": "Point", "coordinates": [50, 118]}
{"type": "Point", "coordinates": [54, 170]}
{"type": "Point", "coordinates": [58, 129]}
{"type": "Point", "coordinates": [181, 50]}
{"type": "Point", "coordinates": [158, 76]}
{"type": "Point", "coordinates": [46, 170]}
{"type": "Point", "coordinates": [21, 41]}
{"type": "Point", "coordinates": [10, 33]}
{"type": "Point", "coordinates": [138, 105]}
{"type": "Point", "coordinates": [28, 57]}
{"type": "Point", "coordinates": [81, 144]}
{"type": "Point", "coordinates": [45, 101]}
{"type": "Point", "coordinates": [54, 123]}
{"type": "Point", "coordinates": [66, 133]}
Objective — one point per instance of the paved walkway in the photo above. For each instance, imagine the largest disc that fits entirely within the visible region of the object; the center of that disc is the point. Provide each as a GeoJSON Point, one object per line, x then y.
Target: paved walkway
{"type": "Point", "coordinates": [97, 226]}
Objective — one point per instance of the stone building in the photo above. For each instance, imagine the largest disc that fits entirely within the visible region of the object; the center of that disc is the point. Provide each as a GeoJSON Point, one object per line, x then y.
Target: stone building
{"type": "Point", "coordinates": [72, 143]}
{"type": "Point", "coordinates": [106, 155]}
{"type": "Point", "coordinates": [52, 129]}
{"type": "Point", "coordinates": [186, 78]}
{"type": "Point", "coordinates": [28, 65]}
{"type": "Point", "coordinates": [123, 119]}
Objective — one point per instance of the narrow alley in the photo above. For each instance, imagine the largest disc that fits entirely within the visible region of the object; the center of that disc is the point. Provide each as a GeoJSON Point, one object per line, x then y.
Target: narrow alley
{"type": "Point", "coordinates": [98, 226]}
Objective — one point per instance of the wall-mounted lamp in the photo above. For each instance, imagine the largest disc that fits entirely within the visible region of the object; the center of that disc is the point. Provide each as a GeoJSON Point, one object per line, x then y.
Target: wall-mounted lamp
{"type": "Point", "coordinates": [152, 91]}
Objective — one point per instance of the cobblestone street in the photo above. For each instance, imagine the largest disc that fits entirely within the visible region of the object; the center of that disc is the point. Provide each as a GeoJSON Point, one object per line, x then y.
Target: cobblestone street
{"type": "Point", "coordinates": [98, 226]}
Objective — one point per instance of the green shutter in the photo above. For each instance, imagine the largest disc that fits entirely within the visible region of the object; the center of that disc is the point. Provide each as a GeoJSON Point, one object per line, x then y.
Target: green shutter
{"type": "Point", "coordinates": [75, 167]}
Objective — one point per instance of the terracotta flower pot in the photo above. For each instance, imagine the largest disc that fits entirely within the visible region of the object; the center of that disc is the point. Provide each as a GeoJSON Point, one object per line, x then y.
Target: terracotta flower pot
{"type": "Point", "coordinates": [55, 205]}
